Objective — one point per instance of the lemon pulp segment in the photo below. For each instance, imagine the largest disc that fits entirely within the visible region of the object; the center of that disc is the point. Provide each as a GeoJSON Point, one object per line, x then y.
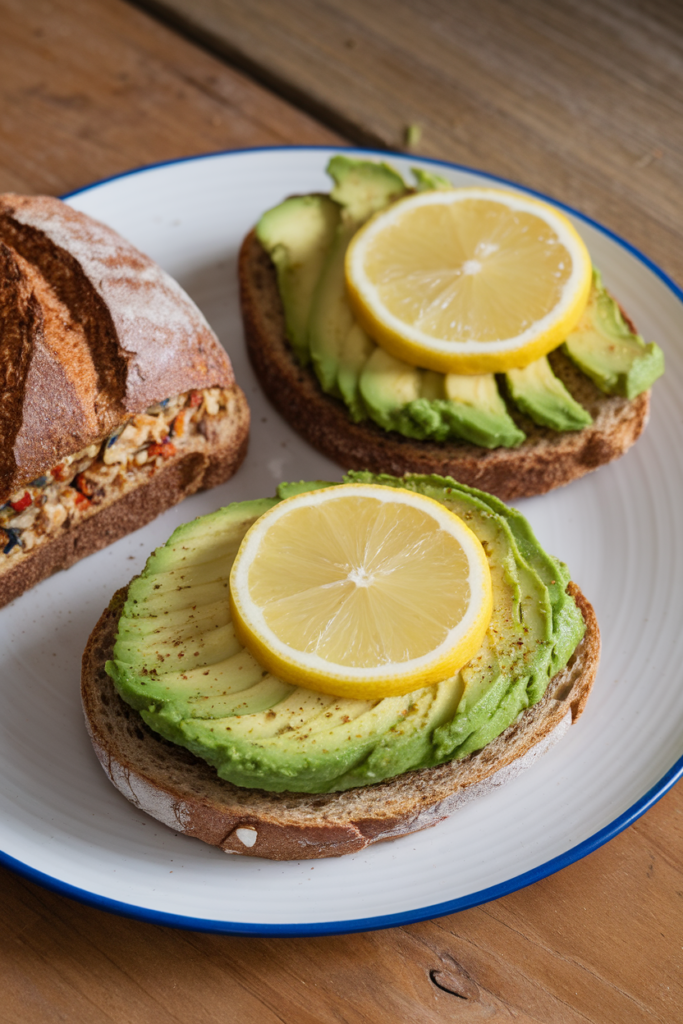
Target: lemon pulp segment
{"type": "Point", "coordinates": [468, 281]}
{"type": "Point", "coordinates": [361, 591]}
{"type": "Point", "coordinates": [467, 273]}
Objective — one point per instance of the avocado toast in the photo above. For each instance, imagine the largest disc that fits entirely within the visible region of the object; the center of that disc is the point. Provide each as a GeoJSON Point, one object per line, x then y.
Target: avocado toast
{"type": "Point", "coordinates": [223, 751]}
{"type": "Point", "coordinates": [515, 434]}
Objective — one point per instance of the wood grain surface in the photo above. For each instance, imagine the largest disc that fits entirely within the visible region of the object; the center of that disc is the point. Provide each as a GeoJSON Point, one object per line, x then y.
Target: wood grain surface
{"type": "Point", "coordinates": [582, 99]}
{"type": "Point", "coordinates": [89, 88]}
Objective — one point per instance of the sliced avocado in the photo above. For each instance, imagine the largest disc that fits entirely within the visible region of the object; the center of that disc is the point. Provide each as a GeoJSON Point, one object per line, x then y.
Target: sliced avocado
{"type": "Point", "coordinates": [195, 561]}
{"type": "Point", "coordinates": [478, 413]}
{"type": "Point", "coordinates": [427, 181]}
{"type": "Point", "coordinates": [331, 318]}
{"type": "Point", "coordinates": [179, 665]}
{"type": "Point", "coordinates": [426, 419]}
{"type": "Point", "coordinates": [544, 398]}
{"type": "Point", "coordinates": [298, 235]}
{"type": "Point", "coordinates": [402, 397]}
{"type": "Point", "coordinates": [356, 349]}
{"type": "Point", "coordinates": [603, 345]}
{"type": "Point", "coordinates": [302, 487]}
{"type": "Point", "coordinates": [387, 385]}
{"type": "Point", "coordinates": [361, 188]}
{"type": "Point", "coordinates": [193, 663]}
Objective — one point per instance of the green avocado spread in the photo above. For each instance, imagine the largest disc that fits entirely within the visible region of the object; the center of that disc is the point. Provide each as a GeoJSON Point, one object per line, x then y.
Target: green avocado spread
{"type": "Point", "coordinates": [177, 661]}
{"type": "Point", "coordinates": [307, 237]}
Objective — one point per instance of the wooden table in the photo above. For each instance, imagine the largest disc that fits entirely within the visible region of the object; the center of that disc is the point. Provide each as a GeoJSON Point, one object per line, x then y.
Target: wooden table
{"type": "Point", "coordinates": [581, 100]}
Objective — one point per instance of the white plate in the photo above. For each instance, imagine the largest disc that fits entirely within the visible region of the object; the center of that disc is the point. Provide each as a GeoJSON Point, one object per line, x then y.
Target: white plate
{"type": "Point", "coordinates": [63, 824]}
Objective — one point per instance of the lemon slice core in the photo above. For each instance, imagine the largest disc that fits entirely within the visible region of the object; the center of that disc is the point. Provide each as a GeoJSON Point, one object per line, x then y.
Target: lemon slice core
{"type": "Point", "coordinates": [469, 280]}
{"type": "Point", "coordinates": [361, 591]}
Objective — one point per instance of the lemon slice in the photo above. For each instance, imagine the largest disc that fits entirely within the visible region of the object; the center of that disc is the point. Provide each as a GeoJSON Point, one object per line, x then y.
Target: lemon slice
{"type": "Point", "coordinates": [472, 280]}
{"type": "Point", "coordinates": [361, 591]}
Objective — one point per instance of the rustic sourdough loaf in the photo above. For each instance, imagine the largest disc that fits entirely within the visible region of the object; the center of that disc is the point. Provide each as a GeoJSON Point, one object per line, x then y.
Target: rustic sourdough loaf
{"type": "Point", "coordinates": [185, 793]}
{"type": "Point", "coordinates": [545, 460]}
{"type": "Point", "coordinates": [93, 334]}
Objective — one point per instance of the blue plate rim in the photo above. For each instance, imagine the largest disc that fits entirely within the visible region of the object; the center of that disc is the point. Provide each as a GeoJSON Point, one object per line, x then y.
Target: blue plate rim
{"type": "Point", "coordinates": [582, 849]}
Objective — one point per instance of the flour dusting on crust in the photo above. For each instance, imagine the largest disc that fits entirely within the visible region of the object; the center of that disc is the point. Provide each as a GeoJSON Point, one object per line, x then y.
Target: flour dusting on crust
{"type": "Point", "coordinates": [168, 344]}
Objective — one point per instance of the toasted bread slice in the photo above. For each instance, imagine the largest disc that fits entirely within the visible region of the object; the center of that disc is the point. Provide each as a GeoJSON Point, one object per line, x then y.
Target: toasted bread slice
{"type": "Point", "coordinates": [546, 459]}
{"type": "Point", "coordinates": [185, 793]}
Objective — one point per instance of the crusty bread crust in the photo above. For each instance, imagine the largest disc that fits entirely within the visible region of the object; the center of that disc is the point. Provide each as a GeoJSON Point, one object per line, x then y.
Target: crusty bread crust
{"type": "Point", "coordinates": [205, 460]}
{"type": "Point", "coordinates": [547, 459]}
{"type": "Point", "coordinates": [93, 331]}
{"type": "Point", "coordinates": [185, 793]}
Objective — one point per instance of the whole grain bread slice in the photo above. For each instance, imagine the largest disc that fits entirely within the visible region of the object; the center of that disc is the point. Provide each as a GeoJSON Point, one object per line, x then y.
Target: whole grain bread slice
{"type": "Point", "coordinates": [546, 459]}
{"type": "Point", "coordinates": [185, 793]}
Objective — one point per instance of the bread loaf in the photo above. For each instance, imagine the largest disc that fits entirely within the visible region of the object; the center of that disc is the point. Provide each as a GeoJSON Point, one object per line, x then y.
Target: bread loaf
{"type": "Point", "coordinates": [96, 340]}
